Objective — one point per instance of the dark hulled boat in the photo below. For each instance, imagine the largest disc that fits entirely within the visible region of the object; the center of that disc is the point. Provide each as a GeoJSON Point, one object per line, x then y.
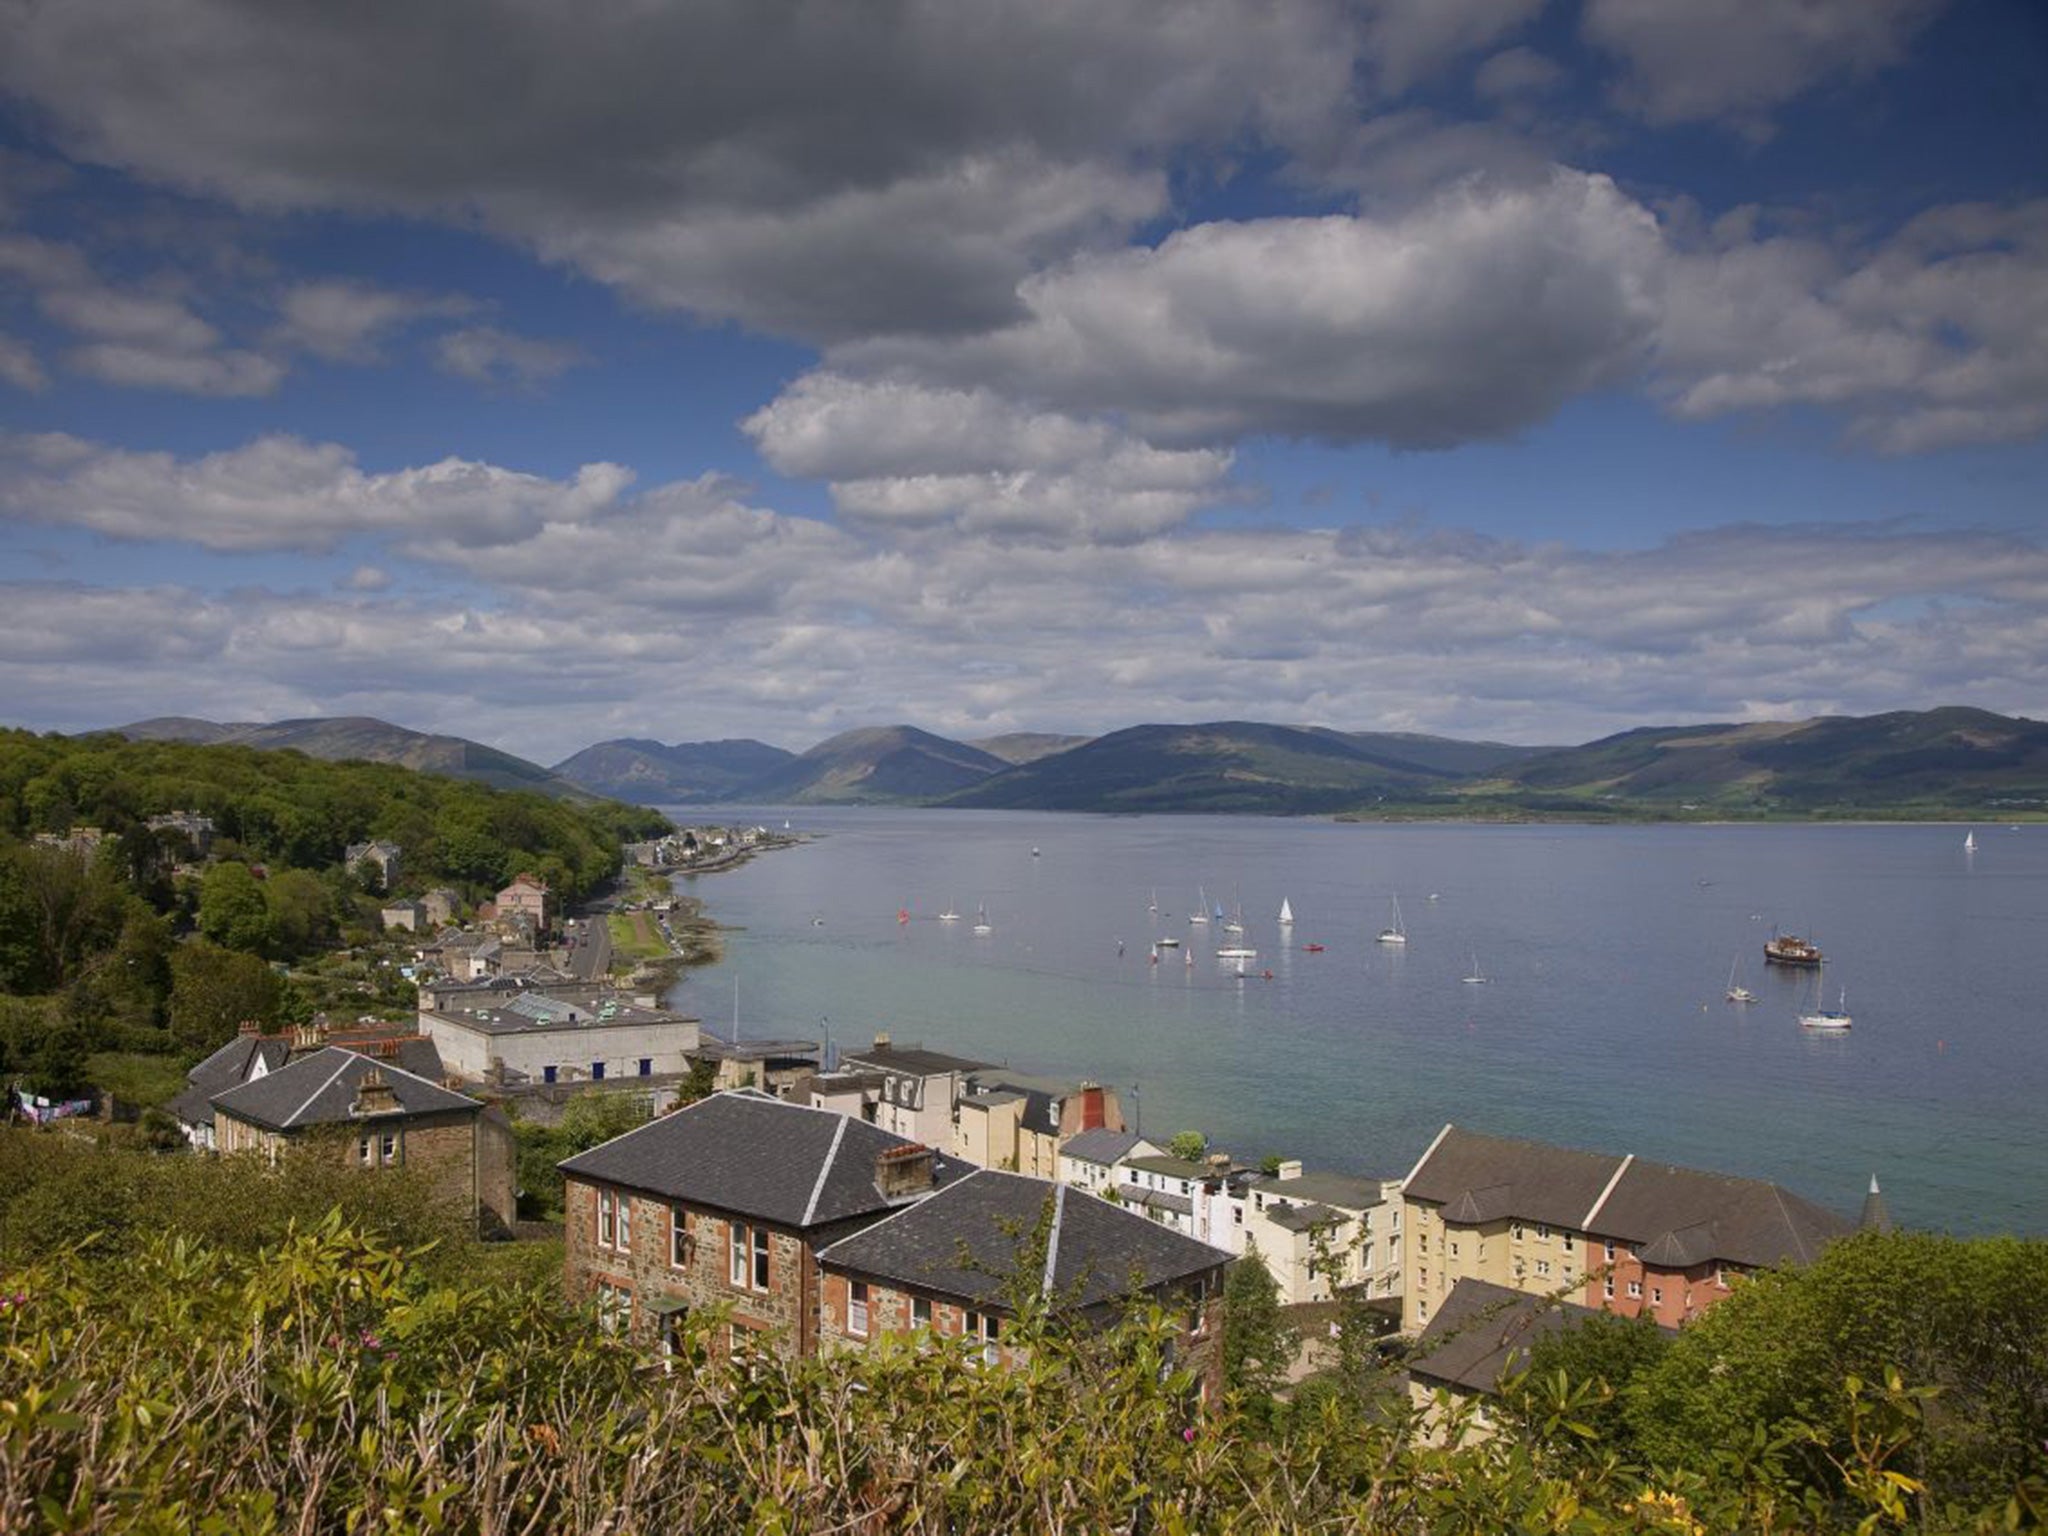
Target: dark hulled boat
{"type": "Point", "coordinates": [1790, 949]}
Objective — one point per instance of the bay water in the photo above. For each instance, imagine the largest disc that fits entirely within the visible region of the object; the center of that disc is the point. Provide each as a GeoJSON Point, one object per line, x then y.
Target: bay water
{"type": "Point", "coordinates": [1601, 1022]}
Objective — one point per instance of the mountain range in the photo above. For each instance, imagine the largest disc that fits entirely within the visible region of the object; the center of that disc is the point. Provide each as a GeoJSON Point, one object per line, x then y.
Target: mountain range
{"type": "Point", "coordinates": [1947, 761]}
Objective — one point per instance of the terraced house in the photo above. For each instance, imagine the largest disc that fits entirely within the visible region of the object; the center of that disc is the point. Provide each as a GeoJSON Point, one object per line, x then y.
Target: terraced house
{"type": "Point", "coordinates": [1617, 1233]}
{"type": "Point", "coordinates": [727, 1203]}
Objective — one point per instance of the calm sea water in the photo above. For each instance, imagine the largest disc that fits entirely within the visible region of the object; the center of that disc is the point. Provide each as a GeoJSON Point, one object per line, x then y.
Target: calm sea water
{"type": "Point", "coordinates": [1601, 1024]}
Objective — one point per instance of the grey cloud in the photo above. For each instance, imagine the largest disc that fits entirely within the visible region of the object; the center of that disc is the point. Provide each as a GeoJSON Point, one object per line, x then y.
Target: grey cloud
{"type": "Point", "coordinates": [1515, 73]}
{"type": "Point", "coordinates": [484, 354]}
{"type": "Point", "coordinates": [711, 155]}
{"type": "Point", "coordinates": [1410, 40]}
{"type": "Point", "coordinates": [1735, 62]}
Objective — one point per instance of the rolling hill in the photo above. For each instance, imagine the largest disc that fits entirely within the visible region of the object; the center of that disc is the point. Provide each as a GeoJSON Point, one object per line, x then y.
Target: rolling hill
{"type": "Point", "coordinates": [878, 764]}
{"type": "Point", "coordinates": [649, 773]}
{"type": "Point", "coordinates": [1933, 761]}
{"type": "Point", "coordinates": [1233, 765]}
{"type": "Point", "coordinates": [360, 738]}
{"type": "Point", "coordinates": [1026, 746]}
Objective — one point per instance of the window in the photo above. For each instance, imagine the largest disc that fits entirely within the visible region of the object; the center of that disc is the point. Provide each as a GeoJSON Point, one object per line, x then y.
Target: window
{"type": "Point", "coordinates": [1607, 1287]}
{"type": "Point", "coordinates": [614, 1306]}
{"type": "Point", "coordinates": [857, 1308]}
{"type": "Point", "coordinates": [1542, 1268]}
{"type": "Point", "coordinates": [367, 1150]}
{"type": "Point", "coordinates": [1609, 1246]}
{"type": "Point", "coordinates": [547, 1073]}
{"type": "Point", "coordinates": [1635, 1289]}
{"type": "Point", "coordinates": [1720, 1278]}
{"type": "Point", "coordinates": [1518, 1231]}
{"type": "Point", "coordinates": [1365, 1256]}
{"type": "Point", "coordinates": [625, 1223]}
{"type": "Point", "coordinates": [1567, 1242]}
{"type": "Point", "coordinates": [985, 1327]}
{"type": "Point", "coordinates": [1543, 1234]}
{"type": "Point", "coordinates": [682, 1238]}
{"type": "Point", "coordinates": [1237, 1214]}
{"type": "Point", "coordinates": [1657, 1295]}
{"type": "Point", "coordinates": [920, 1311]}
{"type": "Point", "coordinates": [647, 1066]}
{"type": "Point", "coordinates": [597, 1071]}
{"type": "Point", "coordinates": [1454, 1250]}
{"type": "Point", "coordinates": [748, 1257]}
{"type": "Point", "coordinates": [607, 1218]}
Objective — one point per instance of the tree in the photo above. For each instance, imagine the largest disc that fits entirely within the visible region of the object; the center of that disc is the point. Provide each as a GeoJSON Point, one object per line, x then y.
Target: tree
{"type": "Point", "coordinates": [214, 991]}
{"type": "Point", "coordinates": [1604, 1351]}
{"type": "Point", "coordinates": [300, 909]}
{"type": "Point", "coordinates": [1258, 1341]}
{"type": "Point", "coordinates": [232, 911]}
{"type": "Point", "coordinates": [1189, 1146]}
{"type": "Point", "coordinates": [1968, 1317]}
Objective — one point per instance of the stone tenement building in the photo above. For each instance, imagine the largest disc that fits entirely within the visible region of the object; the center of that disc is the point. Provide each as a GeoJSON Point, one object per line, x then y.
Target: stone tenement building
{"type": "Point", "coordinates": [729, 1201]}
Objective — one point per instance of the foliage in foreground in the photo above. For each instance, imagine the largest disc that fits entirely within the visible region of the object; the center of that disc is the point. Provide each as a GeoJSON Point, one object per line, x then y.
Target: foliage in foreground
{"type": "Point", "coordinates": [326, 1382]}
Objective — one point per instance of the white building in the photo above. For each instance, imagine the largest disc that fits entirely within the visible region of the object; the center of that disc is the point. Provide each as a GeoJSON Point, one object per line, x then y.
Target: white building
{"type": "Point", "coordinates": [560, 1036]}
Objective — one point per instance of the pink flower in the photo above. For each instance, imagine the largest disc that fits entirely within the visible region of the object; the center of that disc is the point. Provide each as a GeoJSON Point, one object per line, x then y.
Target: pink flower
{"type": "Point", "coordinates": [1188, 1434]}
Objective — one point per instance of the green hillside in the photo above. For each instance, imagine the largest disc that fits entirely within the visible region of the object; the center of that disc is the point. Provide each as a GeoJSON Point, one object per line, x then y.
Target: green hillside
{"type": "Point", "coordinates": [879, 764]}
{"type": "Point", "coordinates": [649, 773]}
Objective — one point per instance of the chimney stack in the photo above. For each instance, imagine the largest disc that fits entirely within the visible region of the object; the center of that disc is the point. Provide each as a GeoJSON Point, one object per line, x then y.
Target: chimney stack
{"type": "Point", "coordinates": [904, 1171]}
{"type": "Point", "coordinates": [881, 1040]}
{"type": "Point", "coordinates": [1092, 1114]}
{"type": "Point", "coordinates": [250, 1027]}
{"type": "Point", "coordinates": [1289, 1169]}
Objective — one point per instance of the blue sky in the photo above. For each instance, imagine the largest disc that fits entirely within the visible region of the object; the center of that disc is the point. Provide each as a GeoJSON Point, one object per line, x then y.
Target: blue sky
{"type": "Point", "coordinates": [1527, 369]}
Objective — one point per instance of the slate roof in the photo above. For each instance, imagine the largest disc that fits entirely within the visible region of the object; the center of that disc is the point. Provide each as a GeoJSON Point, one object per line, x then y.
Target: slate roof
{"type": "Point", "coordinates": [415, 1053]}
{"type": "Point", "coordinates": [1301, 1218]}
{"type": "Point", "coordinates": [754, 1155]}
{"type": "Point", "coordinates": [320, 1089]}
{"type": "Point", "coordinates": [1684, 1217]}
{"type": "Point", "coordinates": [1483, 1331]}
{"type": "Point", "coordinates": [222, 1070]}
{"type": "Point", "coordinates": [1343, 1190]}
{"type": "Point", "coordinates": [1680, 1218]}
{"type": "Point", "coordinates": [1095, 1251]}
{"type": "Point", "coordinates": [1172, 1167]}
{"type": "Point", "coordinates": [1101, 1146]}
{"type": "Point", "coordinates": [913, 1059]}
{"type": "Point", "coordinates": [1479, 1178]}
{"type": "Point", "coordinates": [1138, 1195]}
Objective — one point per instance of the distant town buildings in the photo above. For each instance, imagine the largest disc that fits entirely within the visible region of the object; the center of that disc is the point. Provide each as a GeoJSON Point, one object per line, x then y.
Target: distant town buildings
{"type": "Point", "coordinates": [378, 864]}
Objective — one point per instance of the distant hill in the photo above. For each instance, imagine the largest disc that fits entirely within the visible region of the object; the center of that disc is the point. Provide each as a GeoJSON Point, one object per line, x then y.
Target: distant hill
{"type": "Point", "coordinates": [1026, 746]}
{"type": "Point", "coordinates": [649, 773]}
{"type": "Point", "coordinates": [1232, 765]}
{"type": "Point", "coordinates": [890, 763]}
{"type": "Point", "coordinates": [1937, 760]}
{"type": "Point", "coordinates": [359, 738]}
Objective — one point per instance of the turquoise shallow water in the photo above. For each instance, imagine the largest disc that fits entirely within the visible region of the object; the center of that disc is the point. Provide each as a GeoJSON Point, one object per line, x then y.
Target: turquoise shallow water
{"type": "Point", "coordinates": [1602, 1023]}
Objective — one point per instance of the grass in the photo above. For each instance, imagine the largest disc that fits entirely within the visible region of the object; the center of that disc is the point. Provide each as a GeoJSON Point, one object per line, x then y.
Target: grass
{"type": "Point", "coordinates": [634, 937]}
{"type": "Point", "coordinates": [137, 1077]}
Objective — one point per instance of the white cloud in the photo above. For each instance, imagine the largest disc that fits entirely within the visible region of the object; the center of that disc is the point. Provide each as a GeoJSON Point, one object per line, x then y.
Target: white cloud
{"type": "Point", "coordinates": [486, 355]}
{"type": "Point", "coordinates": [343, 321]}
{"type": "Point", "coordinates": [1472, 316]}
{"type": "Point", "coordinates": [280, 493]}
{"type": "Point", "coordinates": [137, 337]}
{"type": "Point", "coordinates": [20, 367]}
{"type": "Point", "coordinates": [686, 603]}
{"type": "Point", "coordinates": [905, 455]}
{"type": "Point", "coordinates": [1735, 61]}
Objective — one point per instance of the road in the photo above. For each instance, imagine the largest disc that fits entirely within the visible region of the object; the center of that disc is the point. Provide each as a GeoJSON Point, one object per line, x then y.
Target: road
{"type": "Point", "coordinates": [591, 959]}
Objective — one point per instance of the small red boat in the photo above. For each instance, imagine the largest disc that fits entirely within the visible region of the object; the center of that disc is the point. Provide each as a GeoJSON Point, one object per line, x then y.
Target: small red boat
{"type": "Point", "coordinates": [1314, 949]}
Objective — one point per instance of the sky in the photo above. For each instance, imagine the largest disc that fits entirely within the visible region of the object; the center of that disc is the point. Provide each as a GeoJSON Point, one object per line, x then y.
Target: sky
{"type": "Point", "coordinates": [1518, 369]}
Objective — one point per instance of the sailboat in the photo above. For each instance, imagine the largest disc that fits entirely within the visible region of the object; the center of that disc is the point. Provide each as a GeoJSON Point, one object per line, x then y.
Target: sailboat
{"type": "Point", "coordinates": [1826, 1020]}
{"type": "Point", "coordinates": [1396, 934]}
{"type": "Point", "coordinates": [1201, 912]}
{"type": "Point", "coordinates": [949, 915]}
{"type": "Point", "coordinates": [1970, 842]}
{"type": "Point", "coordinates": [1478, 977]}
{"type": "Point", "coordinates": [1236, 923]}
{"type": "Point", "coordinates": [1154, 907]}
{"type": "Point", "coordinates": [1286, 914]}
{"type": "Point", "coordinates": [981, 919]}
{"type": "Point", "coordinates": [1737, 993]}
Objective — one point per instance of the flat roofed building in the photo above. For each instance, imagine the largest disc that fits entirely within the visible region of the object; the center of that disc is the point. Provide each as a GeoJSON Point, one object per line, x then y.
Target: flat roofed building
{"type": "Point", "coordinates": [556, 1035]}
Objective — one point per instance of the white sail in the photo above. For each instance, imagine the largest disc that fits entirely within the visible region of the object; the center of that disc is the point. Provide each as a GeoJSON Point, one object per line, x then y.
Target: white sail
{"type": "Point", "coordinates": [1286, 913]}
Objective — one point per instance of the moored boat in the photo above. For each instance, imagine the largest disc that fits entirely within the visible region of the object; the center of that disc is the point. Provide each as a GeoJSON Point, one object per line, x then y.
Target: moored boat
{"type": "Point", "coordinates": [1790, 949]}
